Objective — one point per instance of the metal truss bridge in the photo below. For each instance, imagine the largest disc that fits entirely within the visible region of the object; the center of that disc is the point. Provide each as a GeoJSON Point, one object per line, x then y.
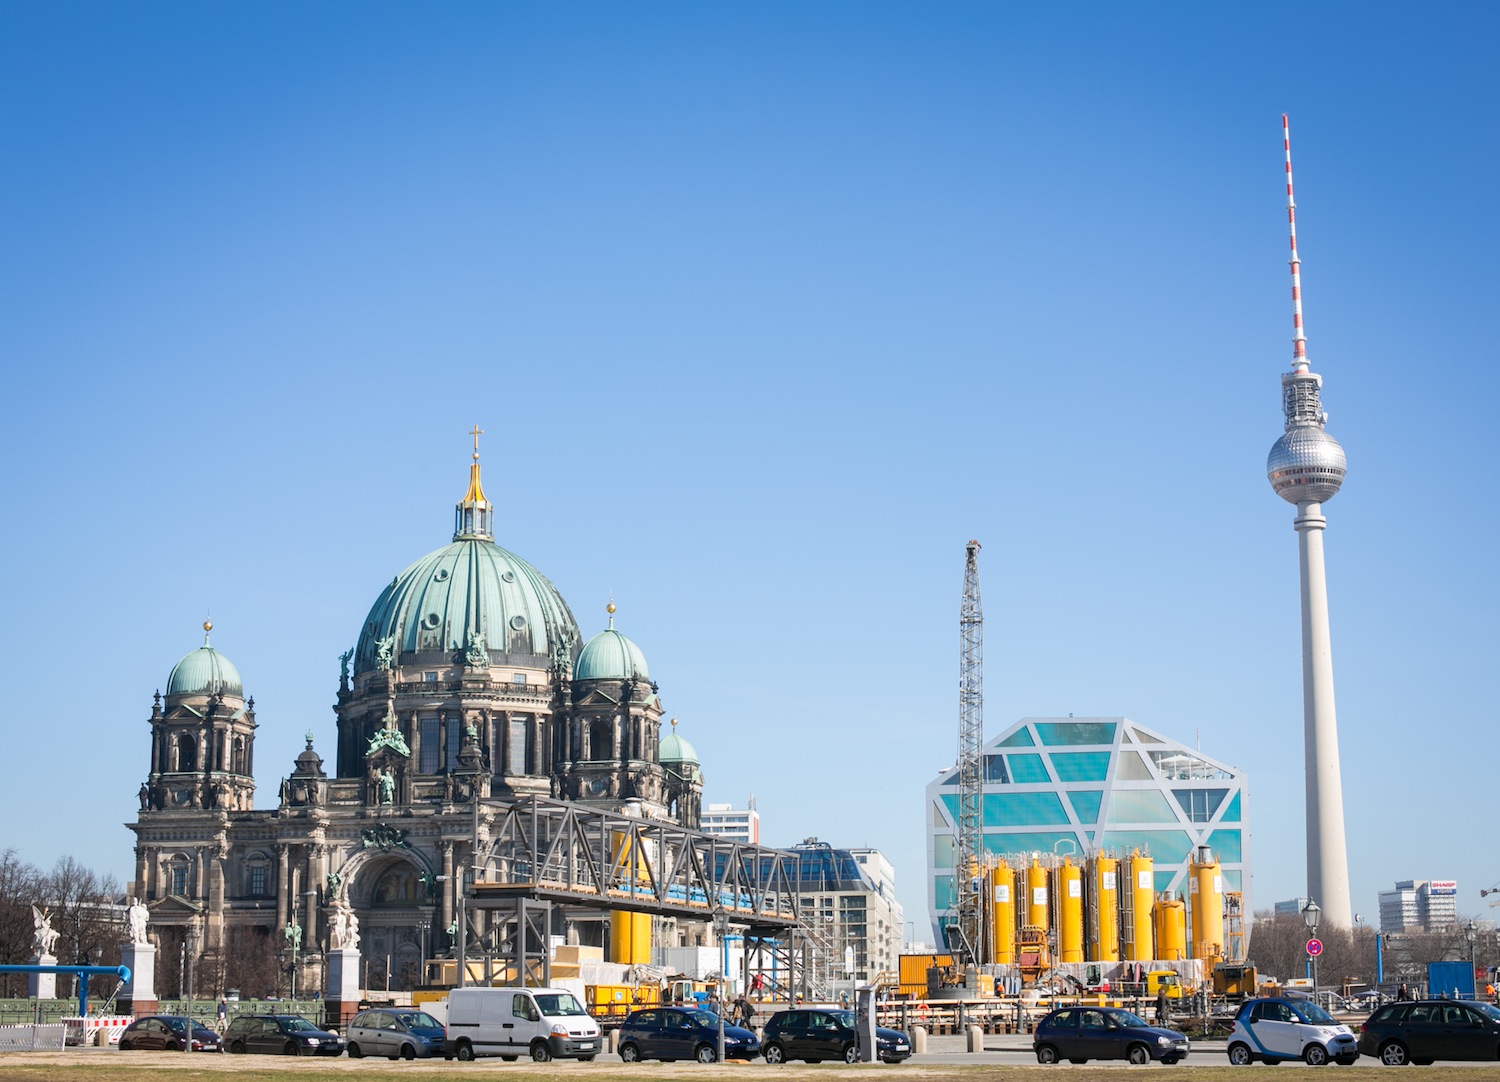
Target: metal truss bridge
{"type": "Point", "coordinates": [543, 852]}
{"type": "Point", "coordinates": [555, 851]}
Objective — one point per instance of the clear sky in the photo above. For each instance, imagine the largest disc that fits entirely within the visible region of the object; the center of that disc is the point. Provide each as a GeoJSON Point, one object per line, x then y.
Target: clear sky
{"type": "Point", "coordinates": [766, 309]}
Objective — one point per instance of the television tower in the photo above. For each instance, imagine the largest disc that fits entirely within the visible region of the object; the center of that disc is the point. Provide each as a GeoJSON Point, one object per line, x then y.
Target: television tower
{"type": "Point", "coordinates": [1306, 467]}
{"type": "Point", "coordinates": [969, 847]}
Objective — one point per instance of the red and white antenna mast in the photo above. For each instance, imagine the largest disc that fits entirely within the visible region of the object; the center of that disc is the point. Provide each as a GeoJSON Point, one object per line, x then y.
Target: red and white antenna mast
{"type": "Point", "coordinates": [1299, 339]}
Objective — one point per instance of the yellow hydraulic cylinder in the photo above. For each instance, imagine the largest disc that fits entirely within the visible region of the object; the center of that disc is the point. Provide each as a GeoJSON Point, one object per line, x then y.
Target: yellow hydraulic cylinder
{"type": "Point", "coordinates": [1142, 891]}
{"type": "Point", "coordinates": [1069, 886]}
{"type": "Point", "coordinates": [1207, 896]}
{"type": "Point", "coordinates": [1171, 929]}
{"type": "Point", "coordinates": [1035, 906]}
{"type": "Point", "coordinates": [1104, 880]}
{"type": "Point", "coordinates": [1003, 915]}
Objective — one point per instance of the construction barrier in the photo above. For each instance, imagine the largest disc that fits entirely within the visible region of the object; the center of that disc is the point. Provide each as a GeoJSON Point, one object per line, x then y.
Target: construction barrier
{"type": "Point", "coordinates": [96, 1029]}
{"type": "Point", "coordinates": [46, 1038]}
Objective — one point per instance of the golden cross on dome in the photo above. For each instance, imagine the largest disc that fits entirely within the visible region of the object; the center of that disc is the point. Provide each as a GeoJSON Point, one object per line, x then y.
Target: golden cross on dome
{"type": "Point", "coordinates": [476, 432]}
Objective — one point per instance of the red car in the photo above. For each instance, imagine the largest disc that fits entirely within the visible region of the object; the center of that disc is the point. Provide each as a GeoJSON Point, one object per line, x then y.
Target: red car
{"type": "Point", "coordinates": [167, 1033]}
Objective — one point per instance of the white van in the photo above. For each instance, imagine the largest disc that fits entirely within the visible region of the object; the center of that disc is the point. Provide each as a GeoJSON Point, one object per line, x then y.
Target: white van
{"type": "Point", "coordinates": [511, 1022]}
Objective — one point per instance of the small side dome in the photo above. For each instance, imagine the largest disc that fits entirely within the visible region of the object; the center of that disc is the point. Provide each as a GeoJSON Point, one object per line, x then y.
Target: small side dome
{"type": "Point", "coordinates": [609, 655]}
{"type": "Point", "coordinates": [205, 671]}
{"type": "Point", "coordinates": [675, 751]}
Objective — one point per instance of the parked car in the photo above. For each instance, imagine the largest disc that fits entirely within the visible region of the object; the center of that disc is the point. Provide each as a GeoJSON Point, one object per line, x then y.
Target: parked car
{"type": "Point", "coordinates": [814, 1035]}
{"type": "Point", "coordinates": [167, 1033]}
{"type": "Point", "coordinates": [1276, 1030]}
{"type": "Point", "coordinates": [512, 1022]}
{"type": "Point", "coordinates": [280, 1035]}
{"type": "Point", "coordinates": [395, 1032]}
{"type": "Point", "coordinates": [1428, 1030]}
{"type": "Point", "coordinates": [1079, 1034]}
{"type": "Point", "coordinates": [668, 1033]}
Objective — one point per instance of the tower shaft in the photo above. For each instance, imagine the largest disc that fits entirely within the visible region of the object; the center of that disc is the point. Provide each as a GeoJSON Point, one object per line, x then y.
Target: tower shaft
{"type": "Point", "coordinates": [1306, 467]}
{"type": "Point", "coordinates": [970, 841]}
{"type": "Point", "coordinates": [1327, 855]}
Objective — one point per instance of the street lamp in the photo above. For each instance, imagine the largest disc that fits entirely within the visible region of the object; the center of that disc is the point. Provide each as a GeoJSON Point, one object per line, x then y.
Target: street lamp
{"type": "Point", "coordinates": [189, 951]}
{"type": "Point", "coordinates": [1310, 916]}
{"type": "Point", "coordinates": [1471, 934]}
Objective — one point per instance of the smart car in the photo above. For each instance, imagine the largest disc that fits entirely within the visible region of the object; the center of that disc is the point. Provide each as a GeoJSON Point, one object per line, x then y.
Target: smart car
{"type": "Point", "coordinates": [815, 1035]}
{"type": "Point", "coordinates": [668, 1033]}
{"type": "Point", "coordinates": [1079, 1034]}
{"type": "Point", "coordinates": [1277, 1030]}
{"type": "Point", "coordinates": [1427, 1030]}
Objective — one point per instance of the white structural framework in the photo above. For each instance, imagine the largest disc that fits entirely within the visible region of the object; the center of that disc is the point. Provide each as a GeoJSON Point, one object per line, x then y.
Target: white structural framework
{"type": "Point", "coordinates": [1306, 467]}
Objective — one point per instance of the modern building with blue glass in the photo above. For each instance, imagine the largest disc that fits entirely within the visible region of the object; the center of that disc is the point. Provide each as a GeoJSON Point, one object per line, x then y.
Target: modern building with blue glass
{"type": "Point", "coordinates": [1095, 786]}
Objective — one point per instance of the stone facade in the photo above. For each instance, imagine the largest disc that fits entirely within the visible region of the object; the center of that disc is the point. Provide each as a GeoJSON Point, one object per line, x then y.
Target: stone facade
{"type": "Point", "coordinates": [425, 724]}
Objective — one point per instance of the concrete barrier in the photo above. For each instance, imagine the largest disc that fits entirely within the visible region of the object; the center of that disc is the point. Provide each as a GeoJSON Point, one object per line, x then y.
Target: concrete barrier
{"type": "Point", "coordinates": [614, 1041]}
{"type": "Point", "coordinates": [976, 1039]}
{"type": "Point", "coordinates": [918, 1040]}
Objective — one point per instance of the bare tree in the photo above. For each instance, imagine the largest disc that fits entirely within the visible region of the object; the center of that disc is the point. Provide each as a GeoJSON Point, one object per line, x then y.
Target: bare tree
{"type": "Point", "coordinates": [87, 912]}
{"type": "Point", "coordinates": [252, 963]}
{"type": "Point", "coordinates": [18, 892]}
{"type": "Point", "coordinates": [1346, 965]}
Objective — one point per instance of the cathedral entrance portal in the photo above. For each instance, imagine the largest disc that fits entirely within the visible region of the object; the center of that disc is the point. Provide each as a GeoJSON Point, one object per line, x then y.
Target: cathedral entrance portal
{"type": "Point", "coordinates": [396, 916]}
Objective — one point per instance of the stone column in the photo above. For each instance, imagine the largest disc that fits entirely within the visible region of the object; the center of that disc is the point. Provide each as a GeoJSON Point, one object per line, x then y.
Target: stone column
{"type": "Point", "coordinates": [138, 997]}
{"type": "Point", "coordinates": [449, 886]}
{"type": "Point", "coordinates": [283, 887]}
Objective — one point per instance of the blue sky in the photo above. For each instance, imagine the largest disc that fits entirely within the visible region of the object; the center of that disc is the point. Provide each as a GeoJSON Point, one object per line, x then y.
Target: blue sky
{"type": "Point", "coordinates": [766, 310]}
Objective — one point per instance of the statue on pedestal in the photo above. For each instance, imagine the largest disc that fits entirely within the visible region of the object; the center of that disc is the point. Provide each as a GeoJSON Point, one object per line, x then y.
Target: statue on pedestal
{"type": "Point", "coordinates": [44, 937]}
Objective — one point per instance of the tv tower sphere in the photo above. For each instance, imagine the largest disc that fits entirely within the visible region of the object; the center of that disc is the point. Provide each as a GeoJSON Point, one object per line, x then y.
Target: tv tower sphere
{"type": "Point", "coordinates": [1306, 465]}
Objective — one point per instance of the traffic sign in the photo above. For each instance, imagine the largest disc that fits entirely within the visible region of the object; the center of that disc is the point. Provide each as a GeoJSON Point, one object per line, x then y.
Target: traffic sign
{"type": "Point", "coordinates": [1314, 947]}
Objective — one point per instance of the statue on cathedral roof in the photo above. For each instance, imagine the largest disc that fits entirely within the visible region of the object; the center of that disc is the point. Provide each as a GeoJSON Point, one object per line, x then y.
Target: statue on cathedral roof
{"type": "Point", "coordinates": [388, 737]}
{"type": "Point", "coordinates": [476, 654]}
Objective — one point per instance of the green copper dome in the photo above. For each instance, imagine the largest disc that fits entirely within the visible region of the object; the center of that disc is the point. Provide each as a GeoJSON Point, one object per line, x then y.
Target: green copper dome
{"type": "Point", "coordinates": [205, 671]}
{"type": "Point", "coordinates": [471, 587]}
{"type": "Point", "coordinates": [675, 750]}
{"type": "Point", "coordinates": [468, 597]}
{"type": "Point", "coordinates": [609, 655]}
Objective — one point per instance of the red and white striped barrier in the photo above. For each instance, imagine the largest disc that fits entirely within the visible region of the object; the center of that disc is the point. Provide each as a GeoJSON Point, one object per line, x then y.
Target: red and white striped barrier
{"type": "Point", "coordinates": [85, 1031]}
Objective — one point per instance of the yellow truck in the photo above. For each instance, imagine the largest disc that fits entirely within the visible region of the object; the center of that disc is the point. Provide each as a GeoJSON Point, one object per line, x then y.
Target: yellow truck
{"type": "Point", "coordinates": [1157, 979]}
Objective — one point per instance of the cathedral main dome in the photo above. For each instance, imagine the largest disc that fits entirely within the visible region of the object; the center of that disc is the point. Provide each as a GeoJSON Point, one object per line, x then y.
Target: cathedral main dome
{"type": "Point", "coordinates": [470, 588]}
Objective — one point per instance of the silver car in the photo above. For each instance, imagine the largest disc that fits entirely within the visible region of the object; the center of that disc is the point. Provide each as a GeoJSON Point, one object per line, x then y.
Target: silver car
{"type": "Point", "coordinates": [395, 1032]}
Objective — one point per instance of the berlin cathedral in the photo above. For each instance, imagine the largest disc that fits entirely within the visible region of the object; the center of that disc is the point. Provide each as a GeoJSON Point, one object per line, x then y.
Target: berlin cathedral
{"type": "Point", "coordinates": [469, 679]}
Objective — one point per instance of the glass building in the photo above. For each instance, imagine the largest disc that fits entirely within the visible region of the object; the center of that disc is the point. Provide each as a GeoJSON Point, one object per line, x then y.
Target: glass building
{"type": "Point", "coordinates": [1081, 786]}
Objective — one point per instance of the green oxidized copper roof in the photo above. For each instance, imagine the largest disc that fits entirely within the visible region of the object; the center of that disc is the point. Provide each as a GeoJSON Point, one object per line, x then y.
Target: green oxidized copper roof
{"type": "Point", "coordinates": [472, 585]}
{"type": "Point", "coordinates": [674, 749]}
{"type": "Point", "coordinates": [205, 671]}
{"type": "Point", "coordinates": [609, 655]}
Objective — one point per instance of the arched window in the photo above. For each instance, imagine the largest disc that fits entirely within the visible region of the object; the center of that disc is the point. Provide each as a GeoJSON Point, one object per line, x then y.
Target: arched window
{"type": "Point", "coordinates": [187, 748]}
{"type": "Point", "coordinates": [178, 875]}
{"type": "Point", "coordinates": [239, 755]}
{"type": "Point", "coordinates": [599, 739]}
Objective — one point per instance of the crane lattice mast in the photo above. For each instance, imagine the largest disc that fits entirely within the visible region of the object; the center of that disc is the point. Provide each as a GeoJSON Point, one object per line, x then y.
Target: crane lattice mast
{"type": "Point", "coordinates": [970, 843]}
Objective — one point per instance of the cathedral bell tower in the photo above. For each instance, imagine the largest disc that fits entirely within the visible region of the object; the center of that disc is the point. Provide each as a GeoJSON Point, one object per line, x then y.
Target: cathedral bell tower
{"type": "Point", "coordinates": [202, 738]}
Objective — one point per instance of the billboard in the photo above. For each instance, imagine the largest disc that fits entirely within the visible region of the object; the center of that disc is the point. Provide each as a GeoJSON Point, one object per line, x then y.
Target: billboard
{"type": "Point", "coordinates": [1443, 886]}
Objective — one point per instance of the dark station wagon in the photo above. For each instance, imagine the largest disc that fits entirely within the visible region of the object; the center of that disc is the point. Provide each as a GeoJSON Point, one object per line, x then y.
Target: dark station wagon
{"type": "Point", "coordinates": [1428, 1030]}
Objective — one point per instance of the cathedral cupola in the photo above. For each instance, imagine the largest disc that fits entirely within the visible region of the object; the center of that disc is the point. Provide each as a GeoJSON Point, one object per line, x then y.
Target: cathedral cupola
{"type": "Point", "coordinates": [474, 516]}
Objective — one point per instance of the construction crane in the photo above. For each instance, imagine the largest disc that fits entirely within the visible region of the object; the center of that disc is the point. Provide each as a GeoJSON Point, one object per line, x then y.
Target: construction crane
{"type": "Point", "coordinates": [969, 846]}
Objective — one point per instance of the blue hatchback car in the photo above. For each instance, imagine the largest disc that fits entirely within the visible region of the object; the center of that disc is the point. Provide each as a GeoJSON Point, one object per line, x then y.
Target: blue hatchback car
{"type": "Point", "coordinates": [668, 1033]}
{"type": "Point", "coordinates": [1079, 1034]}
